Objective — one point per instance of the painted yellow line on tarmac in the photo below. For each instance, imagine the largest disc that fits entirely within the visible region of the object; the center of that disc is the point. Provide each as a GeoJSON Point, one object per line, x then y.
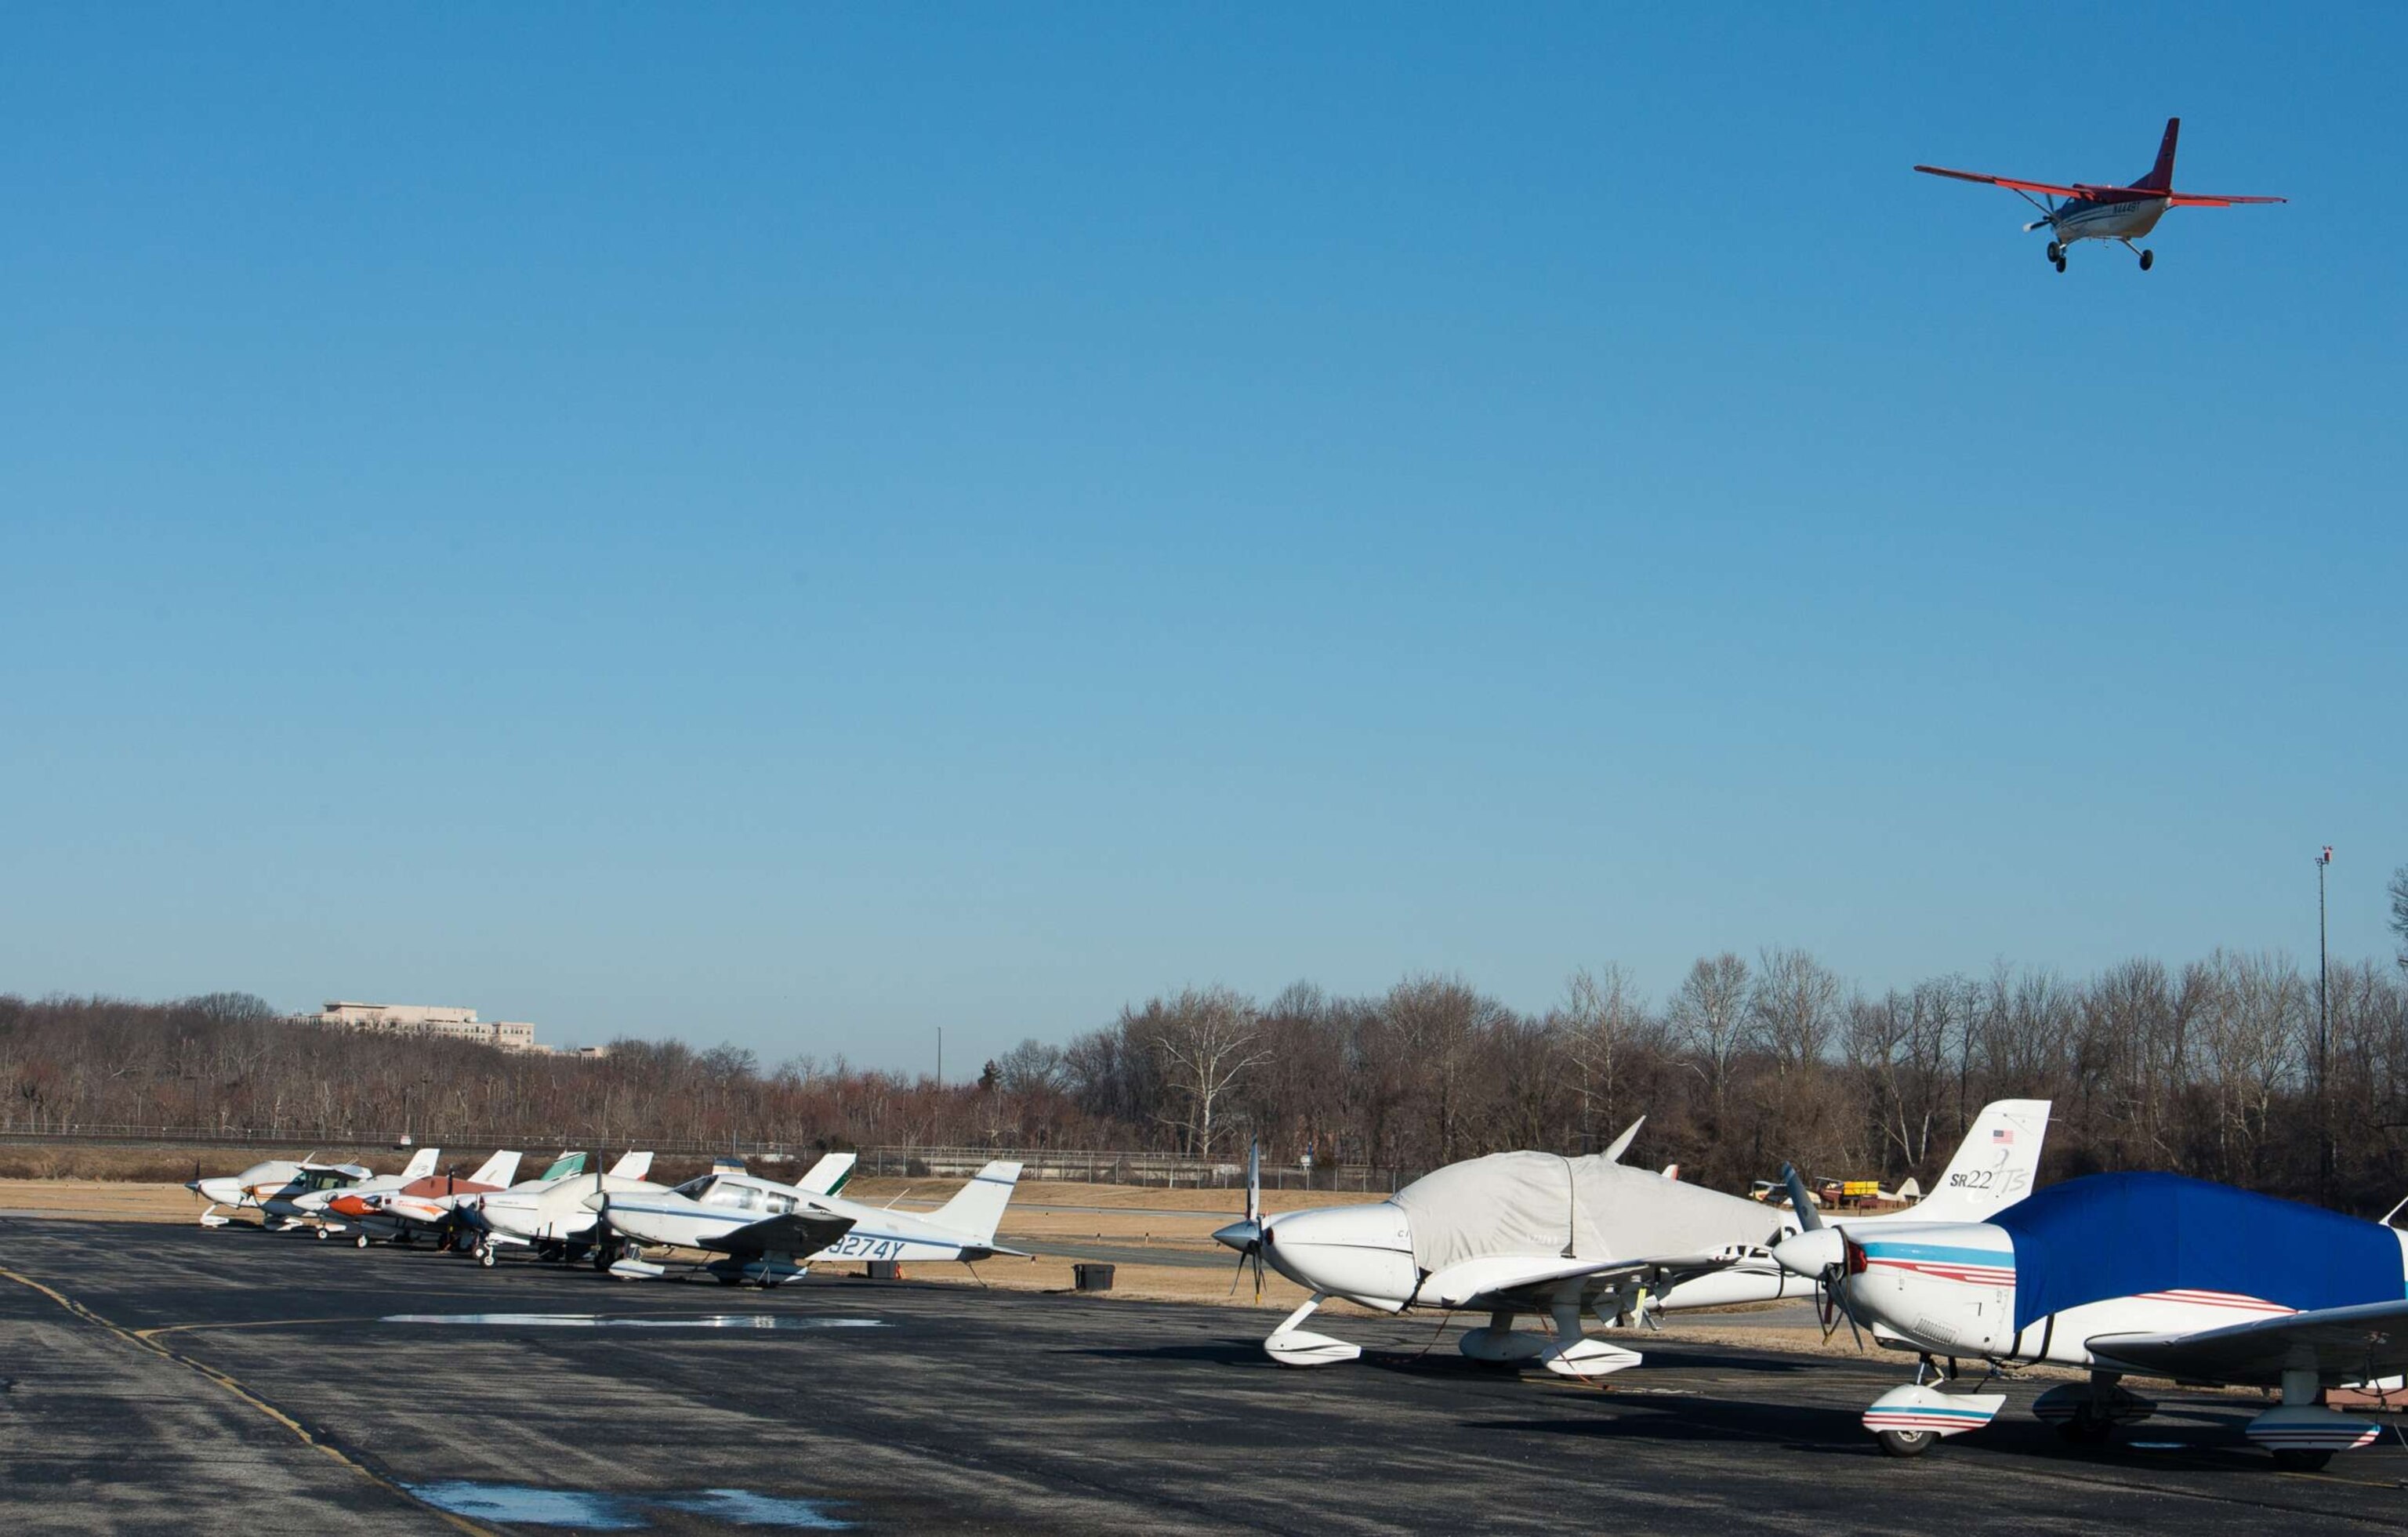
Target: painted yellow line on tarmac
{"type": "Point", "coordinates": [141, 1340]}
{"type": "Point", "coordinates": [257, 1323]}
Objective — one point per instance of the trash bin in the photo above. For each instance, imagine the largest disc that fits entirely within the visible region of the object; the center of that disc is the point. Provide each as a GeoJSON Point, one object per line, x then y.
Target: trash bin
{"type": "Point", "coordinates": [886, 1269]}
{"type": "Point", "coordinates": [1089, 1276]}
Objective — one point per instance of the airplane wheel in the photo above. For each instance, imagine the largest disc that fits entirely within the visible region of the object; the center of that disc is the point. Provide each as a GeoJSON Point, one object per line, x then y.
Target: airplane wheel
{"type": "Point", "coordinates": [2084, 1430]}
{"type": "Point", "coordinates": [2054, 251]}
{"type": "Point", "coordinates": [2148, 260]}
{"type": "Point", "coordinates": [322, 1234]}
{"type": "Point", "coordinates": [361, 1241]}
{"type": "Point", "coordinates": [485, 1256]}
{"type": "Point", "coordinates": [602, 1258]}
{"type": "Point", "coordinates": [2300, 1459]}
{"type": "Point", "coordinates": [731, 1280]}
{"type": "Point", "coordinates": [2060, 264]}
{"type": "Point", "coordinates": [1905, 1443]}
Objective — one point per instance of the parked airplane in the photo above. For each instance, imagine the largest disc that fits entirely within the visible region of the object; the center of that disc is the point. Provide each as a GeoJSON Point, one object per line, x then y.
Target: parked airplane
{"type": "Point", "coordinates": [2088, 212]}
{"type": "Point", "coordinates": [2141, 1274]}
{"type": "Point", "coordinates": [549, 1215]}
{"type": "Point", "coordinates": [318, 1205]}
{"type": "Point", "coordinates": [424, 1205]}
{"type": "Point", "coordinates": [1516, 1233]}
{"type": "Point", "coordinates": [1994, 1168]}
{"type": "Point", "coordinates": [764, 1232]}
{"type": "Point", "coordinates": [273, 1188]}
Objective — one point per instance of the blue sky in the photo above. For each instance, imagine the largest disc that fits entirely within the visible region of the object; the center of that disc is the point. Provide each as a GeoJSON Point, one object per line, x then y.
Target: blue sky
{"type": "Point", "coordinates": [806, 526]}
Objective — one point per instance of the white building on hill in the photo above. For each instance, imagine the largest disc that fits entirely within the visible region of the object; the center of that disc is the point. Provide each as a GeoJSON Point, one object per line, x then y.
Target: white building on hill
{"type": "Point", "coordinates": [427, 1019]}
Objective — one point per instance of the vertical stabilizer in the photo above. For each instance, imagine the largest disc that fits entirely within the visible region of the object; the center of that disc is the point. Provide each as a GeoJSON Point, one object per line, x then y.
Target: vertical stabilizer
{"type": "Point", "coordinates": [1993, 1168]}
{"type": "Point", "coordinates": [978, 1208]}
{"type": "Point", "coordinates": [420, 1164]}
{"type": "Point", "coordinates": [635, 1166]}
{"type": "Point", "coordinates": [2162, 175]}
{"type": "Point", "coordinates": [827, 1176]}
{"type": "Point", "coordinates": [497, 1171]}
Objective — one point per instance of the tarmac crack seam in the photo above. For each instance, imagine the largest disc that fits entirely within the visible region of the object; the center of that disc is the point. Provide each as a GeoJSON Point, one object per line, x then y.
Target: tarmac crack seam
{"type": "Point", "coordinates": [140, 1340]}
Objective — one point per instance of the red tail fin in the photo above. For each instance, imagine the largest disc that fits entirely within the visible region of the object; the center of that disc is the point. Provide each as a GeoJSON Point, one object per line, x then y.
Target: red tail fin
{"type": "Point", "coordinates": [2162, 175]}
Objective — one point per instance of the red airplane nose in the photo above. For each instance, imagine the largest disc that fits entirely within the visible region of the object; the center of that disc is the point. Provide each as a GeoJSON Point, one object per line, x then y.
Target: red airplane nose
{"type": "Point", "coordinates": [350, 1206]}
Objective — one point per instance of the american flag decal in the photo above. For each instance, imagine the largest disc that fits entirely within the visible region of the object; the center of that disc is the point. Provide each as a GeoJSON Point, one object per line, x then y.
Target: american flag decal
{"type": "Point", "coordinates": [2000, 1134]}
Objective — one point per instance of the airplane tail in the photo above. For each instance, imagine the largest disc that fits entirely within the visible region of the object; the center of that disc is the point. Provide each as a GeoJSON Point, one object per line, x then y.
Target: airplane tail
{"type": "Point", "coordinates": [2162, 175]}
{"type": "Point", "coordinates": [564, 1167]}
{"type": "Point", "coordinates": [635, 1166]}
{"type": "Point", "coordinates": [827, 1176]}
{"type": "Point", "coordinates": [978, 1208]}
{"type": "Point", "coordinates": [1994, 1165]}
{"type": "Point", "coordinates": [500, 1169]}
{"type": "Point", "coordinates": [420, 1164]}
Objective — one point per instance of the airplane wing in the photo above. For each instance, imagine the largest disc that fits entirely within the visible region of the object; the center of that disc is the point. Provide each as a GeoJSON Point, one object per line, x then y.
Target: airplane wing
{"type": "Point", "coordinates": [2005, 181]}
{"type": "Point", "coordinates": [795, 1232]}
{"type": "Point", "coordinates": [2343, 1345]}
{"type": "Point", "coordinates": [2213, 200]}
{"type": "Point", "coordinates": [1533, 1283]}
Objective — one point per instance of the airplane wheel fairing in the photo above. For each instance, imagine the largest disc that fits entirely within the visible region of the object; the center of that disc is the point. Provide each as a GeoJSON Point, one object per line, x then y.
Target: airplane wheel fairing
{"type": "Point", "coordinates": [2148, 260]}
{"type": "Point", "coordinates": [1905, 1443]}
{"type": "Point", "coordinates": [2300, 1459]}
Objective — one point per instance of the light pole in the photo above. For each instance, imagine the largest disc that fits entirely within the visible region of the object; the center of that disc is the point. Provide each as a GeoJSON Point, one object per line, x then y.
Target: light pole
{"type": "Point", "coordinates": [2324, 1040]}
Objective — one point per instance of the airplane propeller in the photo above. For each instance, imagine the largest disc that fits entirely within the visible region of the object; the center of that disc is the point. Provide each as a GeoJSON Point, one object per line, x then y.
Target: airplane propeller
{"type": "Point", "coordinates": [1247, 1237]}
{"type": "Point", "coordinates": [1820, 1254]}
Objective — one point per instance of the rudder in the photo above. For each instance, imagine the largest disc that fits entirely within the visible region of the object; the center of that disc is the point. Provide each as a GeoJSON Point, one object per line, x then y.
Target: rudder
{"type": "Point", "coordinates": [1994, 1165]}
{"type": "Point", "coordinates": [2162, 175]}
{"type": "Point", "coordinates": [977, 1208]}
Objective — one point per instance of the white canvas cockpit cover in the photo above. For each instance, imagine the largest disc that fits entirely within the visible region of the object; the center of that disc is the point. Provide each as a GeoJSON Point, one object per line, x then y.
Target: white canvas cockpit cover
{"type": "Point", "coordinates": [1591, 1208]}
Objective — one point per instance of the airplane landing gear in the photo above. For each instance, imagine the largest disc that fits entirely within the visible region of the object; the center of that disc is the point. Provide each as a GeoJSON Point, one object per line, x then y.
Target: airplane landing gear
{"type": "Point", "coordinates": [2148, 260]}
{"type": "Point", "coordinates": [2057, 253]}
{"type": "Point", "coordinates": [361, 1241]}
{"type": "Point", "coordinates": [2060, 264]}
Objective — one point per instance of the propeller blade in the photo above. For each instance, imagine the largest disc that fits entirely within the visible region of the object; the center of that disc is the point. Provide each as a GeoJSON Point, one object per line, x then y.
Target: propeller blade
{"type": "Point", "coordinates": [1808, 1218]}
{"type": "Point", "coordinates": [1254, 1182]}
{"type": "Point", "coordinates": [2038, 224]}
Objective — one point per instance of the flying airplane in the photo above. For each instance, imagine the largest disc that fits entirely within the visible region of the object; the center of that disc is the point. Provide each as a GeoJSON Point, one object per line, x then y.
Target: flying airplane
{"type": "Point", "coordinates": [549, 1215]}
{"type": "Point", "coordinates": [274, 1189]}
{"type": "Point", "coordinates": [2139, 1274]}
{"type": "Point", "coordinates": [764, 1232]}
{"type": "Point", "coordinates": [2088, 212]}
{"type": "Point", "coordinates": [1515, 1233]}
{"type": "Point", "coordinates": [425, 1204]}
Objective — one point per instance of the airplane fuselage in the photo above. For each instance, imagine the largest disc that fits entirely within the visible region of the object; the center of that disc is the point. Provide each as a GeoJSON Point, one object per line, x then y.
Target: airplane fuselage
{"type": "Point", "coordinates": [2111, 219]}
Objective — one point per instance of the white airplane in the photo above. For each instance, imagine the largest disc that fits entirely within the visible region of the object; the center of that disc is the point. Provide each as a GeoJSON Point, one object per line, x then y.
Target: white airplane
{"type": "Point", "coordinates": [425, 1204]}
{"type": "Point", "coordinates": [1515, 1233]}
{"type": "Point", "coordinates": [1994, 1168]}
{"type": "Point", "coordinates": [318, 1205]}
{"type": "Point", "coordinates": [2141, 1274]}
{"type": "Point", "coordinates": [274, 1189]}
{"type": "Point", "coordinates": [548, 1215]}
{"type": "Point", "coordinates": [764, 1232]}
{"type": "Point", "coordinates": [2088, 212]}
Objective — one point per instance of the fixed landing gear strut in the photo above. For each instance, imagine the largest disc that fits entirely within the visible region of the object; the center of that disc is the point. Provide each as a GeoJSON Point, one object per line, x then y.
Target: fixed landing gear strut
{"type": "Point", "coordinates": [2148, 258]}
{"type": "Point", "coordinates": [2056, 255]}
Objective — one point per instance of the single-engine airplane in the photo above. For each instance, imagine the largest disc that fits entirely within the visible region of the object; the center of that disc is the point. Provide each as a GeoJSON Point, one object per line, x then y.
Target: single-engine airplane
{"type": "Point", "coordinates": [274, 1189]}
{"type": "Point", "coordinates": [551, 1217]}
{"type": "Point", "coordinates": [2143, 1275]}
{"type": "Point", "coordinates": [425, 1204]}
{"type": "Point", "coordinates": [2088, 212]}
{"type": "Point", "coordinates": [764, 1232]}
{"type": "Point", "coordinates": [1518, 1233]}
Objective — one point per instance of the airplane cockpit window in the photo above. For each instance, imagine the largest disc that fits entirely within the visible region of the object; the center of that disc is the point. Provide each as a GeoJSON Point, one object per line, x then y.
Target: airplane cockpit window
{"type": "Point", "coordinates": [742, 1197]}
{"type": "Point", "coordinates": [693, 1189]}
{"type": "Point", "coordinates": [781, 1205]}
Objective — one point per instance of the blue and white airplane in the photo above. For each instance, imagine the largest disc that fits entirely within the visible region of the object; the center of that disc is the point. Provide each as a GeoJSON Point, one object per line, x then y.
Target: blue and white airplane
{"type": "Point", "coordinates": [764, 1232]}
{"type": "Point", "coordinates": [2151, 1275]}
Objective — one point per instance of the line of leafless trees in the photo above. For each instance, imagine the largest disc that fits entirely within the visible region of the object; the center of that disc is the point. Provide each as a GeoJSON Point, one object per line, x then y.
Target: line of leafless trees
{"type": "Point", "coordinates": [2217, 1068]}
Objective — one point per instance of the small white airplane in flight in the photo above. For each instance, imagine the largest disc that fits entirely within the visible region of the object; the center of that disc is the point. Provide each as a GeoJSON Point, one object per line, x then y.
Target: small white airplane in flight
{"type": "Point", "coordinates": [274, 1188]}
{"type": "Point", "coordinates": [2088, 212]}
{"type": "Point", "coordinates": [1516, 1233]}
{"type": "Point", "coordinates": [2143, 1275]}
{"type": "Point", "coordinates": [764, 1232]}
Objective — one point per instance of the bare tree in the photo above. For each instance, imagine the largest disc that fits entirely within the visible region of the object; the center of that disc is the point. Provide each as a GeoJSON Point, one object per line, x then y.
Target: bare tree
{"type": "Point", "coordinates": [1207, 1041]}
{"type": "Point", "coordinates": [1595, 1028]}
{"type": "Point", "coordinates": [1793, 1008]}
{"type": "Point", "coordinates": [2398, 891]}
{"type": "Point", "coordinates": [1708, 1019]}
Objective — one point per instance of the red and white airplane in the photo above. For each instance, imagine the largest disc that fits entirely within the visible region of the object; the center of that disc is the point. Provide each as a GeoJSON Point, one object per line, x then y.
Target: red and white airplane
{"type": "Point", "coordinates": [2087, 212]}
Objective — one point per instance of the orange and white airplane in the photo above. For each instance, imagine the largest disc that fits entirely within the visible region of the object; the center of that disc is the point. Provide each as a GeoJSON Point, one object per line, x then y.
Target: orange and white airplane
{"type": "Point", "coordinates": [2089, 212]}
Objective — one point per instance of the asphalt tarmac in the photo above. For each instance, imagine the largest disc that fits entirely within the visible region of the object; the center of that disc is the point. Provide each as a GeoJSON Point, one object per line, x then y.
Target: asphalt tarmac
{"type": "Point", "coordinates": [172, 1379]}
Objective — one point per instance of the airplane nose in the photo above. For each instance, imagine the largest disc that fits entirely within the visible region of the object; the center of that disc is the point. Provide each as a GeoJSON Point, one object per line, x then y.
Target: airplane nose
{"type": "Point", "coordinates": [1240, 1235]}
{"type": "Point", "coordinates": [1810, 1254]}
{"type": "Point", "coordinates": [1365, 1253]}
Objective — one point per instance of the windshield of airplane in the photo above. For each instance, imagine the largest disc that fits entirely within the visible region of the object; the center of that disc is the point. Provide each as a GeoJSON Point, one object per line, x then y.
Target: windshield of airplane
{"type": "Point", "coordinates": [693, 1188]}
{"type": "Point", "coordinates": [323, 1179]}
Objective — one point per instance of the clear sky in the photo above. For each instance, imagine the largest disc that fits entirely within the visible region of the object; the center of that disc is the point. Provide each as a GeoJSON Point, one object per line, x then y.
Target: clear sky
{"type": "Point", "coordinates": [803, 525]}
